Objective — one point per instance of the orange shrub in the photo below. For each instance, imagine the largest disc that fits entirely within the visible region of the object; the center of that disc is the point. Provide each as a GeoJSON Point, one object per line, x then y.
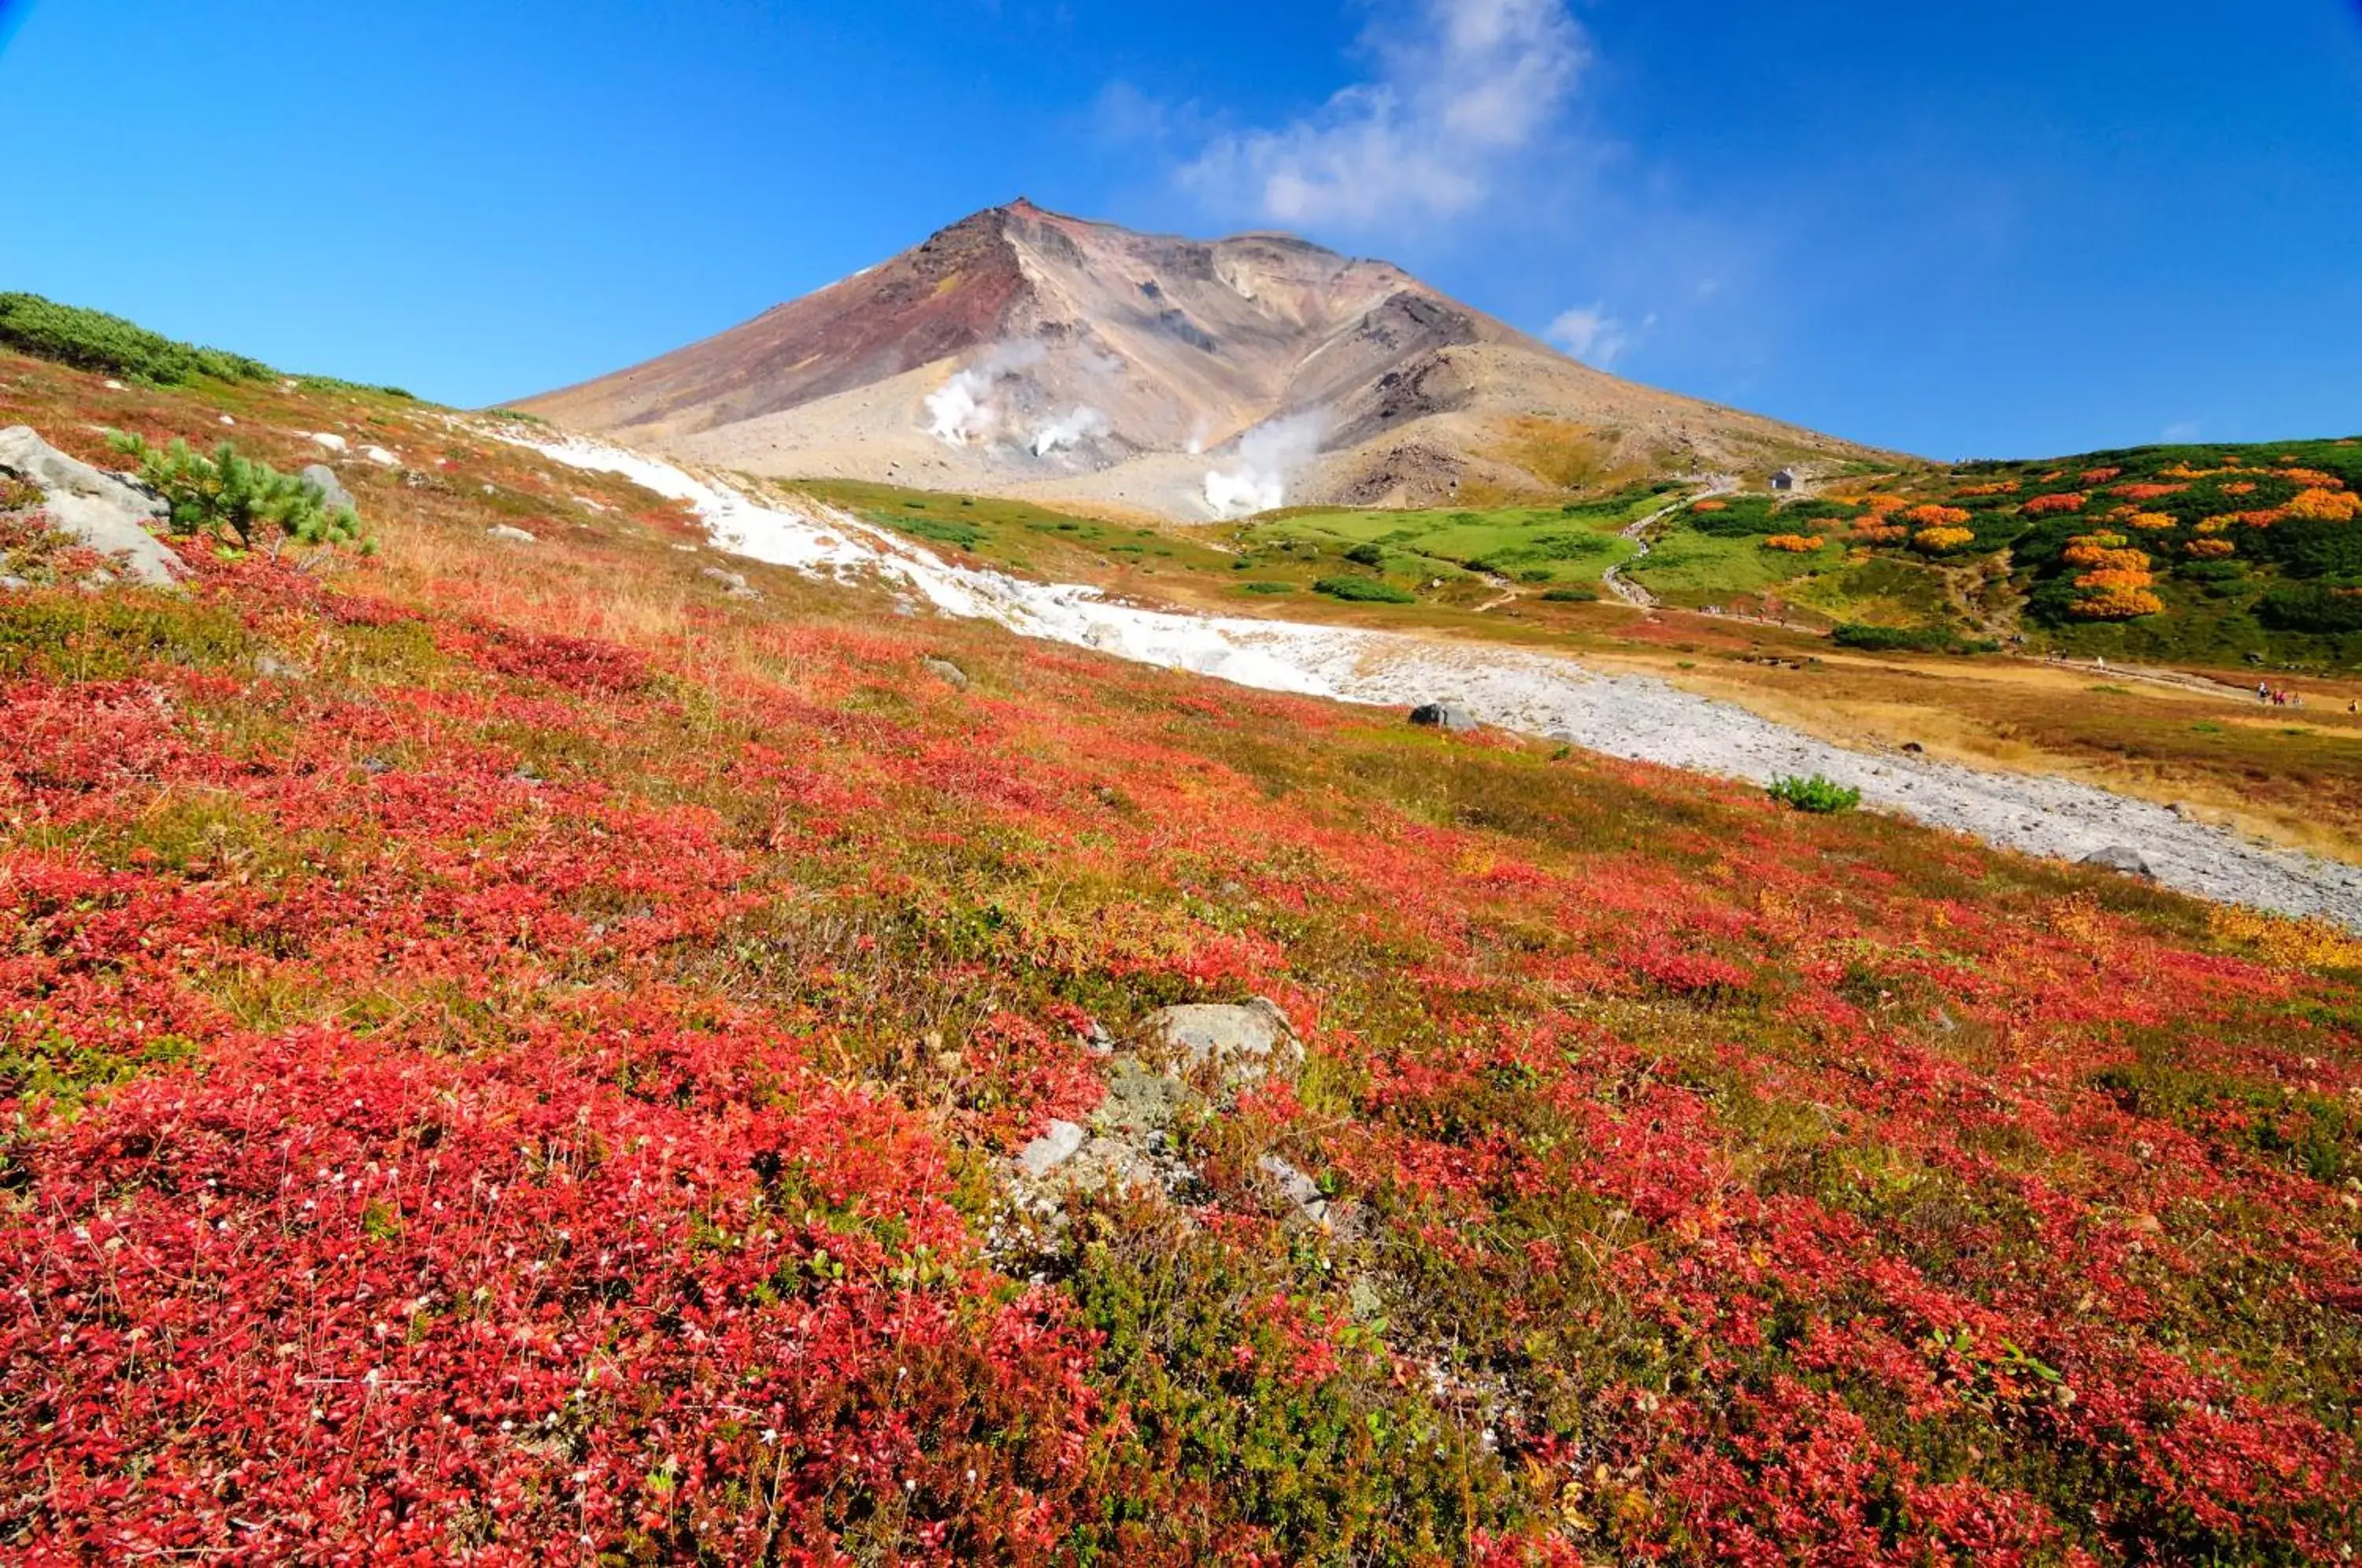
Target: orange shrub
{"type": "Point", "coordinates": [1941, 541]}
{"type": "Point", "coordinates": [1880, 505]}
{"type": "Point", "coordinates": [2209, 549]}
{"type": "Point", "coordinates": [1932, 516]}
{"type": "Point", "coordinates": [2100, 476]}
{"type": "Point", "coordinates": [2320, 505]}
{"type": "Point", "coordinates": [1711, 506]}
{"type": "Point", "coordinates": [1881, 534]}
{"type": "Point", "coordinates": [1794, 544]}
{"type": "Point", "coordinates": [2147, 492]}
{"type": "Point", "coordinates": [2006, 487]}
{"type": "Point", "coordinates": [2115, 578]}
{"type": "Point", "coordinates": [2263, 519]}
{"type": "Point", "coordinates": [2101, 558]}
{"type": "Point", "coordinates": [2244, 487]}
{"type": "Point", "coordinates": [2151, 521]}
{"type": "Point", "coordinates": [2312, 479]}
{"type": "Point", "coordinates": [2117, 605]}
{"type": "Point", "coordinates": [2055, 505]}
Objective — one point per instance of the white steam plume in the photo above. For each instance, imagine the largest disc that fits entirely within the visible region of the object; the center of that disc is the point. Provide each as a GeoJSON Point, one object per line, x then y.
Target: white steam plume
{"type": "Point", "coordinates": [1269, 457]}
{"type": "Point", "coordinates": [1078, 424]}
{"type": "Point", "coordinates": [967, 407]}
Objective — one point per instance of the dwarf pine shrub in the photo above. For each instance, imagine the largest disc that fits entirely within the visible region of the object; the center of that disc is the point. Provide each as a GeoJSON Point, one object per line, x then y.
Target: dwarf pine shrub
{"type": "Point", "coordinates": [236, 500]}
{"type": "Point", "coordinates": [93, 340]}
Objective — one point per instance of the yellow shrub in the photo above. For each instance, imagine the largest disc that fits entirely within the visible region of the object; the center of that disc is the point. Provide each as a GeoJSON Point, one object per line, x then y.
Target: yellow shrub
{"type": "Point", "coordinates": [2092, 557]}
{"type": "Point", "coordinates": [2209, 549]}
{"type": "Point", "coordinates": [1941, 541]}
{"type": "Point", "coordinates": [2151, 521]}
{"type": "Point", "coordinates": [2310, 944]}
{"type": "Point", "coordinates": [1795, 544]}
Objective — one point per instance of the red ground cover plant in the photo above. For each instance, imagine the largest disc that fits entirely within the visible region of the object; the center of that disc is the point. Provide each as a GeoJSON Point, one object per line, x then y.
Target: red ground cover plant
{"type": "Point", "coordinates": [482, 1091]}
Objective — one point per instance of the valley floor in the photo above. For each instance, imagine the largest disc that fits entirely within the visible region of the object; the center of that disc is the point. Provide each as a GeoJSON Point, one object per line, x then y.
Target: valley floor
{"type": "Point", "coordinates": [1635, 715]}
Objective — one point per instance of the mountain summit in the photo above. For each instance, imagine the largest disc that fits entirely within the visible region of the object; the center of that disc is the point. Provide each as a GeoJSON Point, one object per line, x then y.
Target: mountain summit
{"type": "Point", "coordinates": [1023, 352]}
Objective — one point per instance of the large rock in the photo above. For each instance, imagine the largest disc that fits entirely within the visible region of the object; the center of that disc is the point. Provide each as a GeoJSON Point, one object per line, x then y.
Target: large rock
{"type": "Point", "coordinates": [1448, 716]}
{"type": "Point", "coordinates": [104, 512]}
{"type": "Point", "coordinates": [328, 488]}
{"type": "Point", "coordinates": [2121, 857]}
{"type": "Point", "coordinates": [1239, 1045]}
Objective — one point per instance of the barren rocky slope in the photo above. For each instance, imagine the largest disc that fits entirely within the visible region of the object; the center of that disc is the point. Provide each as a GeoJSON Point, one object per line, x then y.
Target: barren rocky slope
{"type": "Point", "coordinates": [1023, 352]}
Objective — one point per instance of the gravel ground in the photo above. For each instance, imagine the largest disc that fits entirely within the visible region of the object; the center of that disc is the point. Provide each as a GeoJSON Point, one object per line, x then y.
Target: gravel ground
{"type": "Point", "coordinates": [1632, 716]}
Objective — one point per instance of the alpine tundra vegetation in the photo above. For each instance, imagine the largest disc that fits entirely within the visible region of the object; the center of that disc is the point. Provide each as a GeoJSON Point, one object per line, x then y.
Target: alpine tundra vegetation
{"type": "Point", "coordinates": [569, 1052]}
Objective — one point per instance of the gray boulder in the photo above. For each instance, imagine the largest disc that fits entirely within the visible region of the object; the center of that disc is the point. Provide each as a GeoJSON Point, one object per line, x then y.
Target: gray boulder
{"type": "Point", "coordinates": [104, 512]}
{"type": "Point", "coordinates": [325, 485]}
{"type": "Point", "coordinates": [1240, 1044]}
{"type": "Point", "coordinates": [2121, 857]}
{"type": "Point", "coordinates": [946, 670]}
{"type": "Point", "coordinates": [509, 535]}
{"type": "Point", "coordinates": [1447, 716]}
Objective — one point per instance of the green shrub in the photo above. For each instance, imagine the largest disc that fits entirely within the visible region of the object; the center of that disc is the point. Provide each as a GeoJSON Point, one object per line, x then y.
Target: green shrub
{"type": "Point", "coordinates": [1915, 639]}
{"type": "Point", "coordinates": [1269, 586]}
{"type": "Point", "coordinates": [93, 340]}
{"type": "Point", "coordinates": [1363, 590]}
{"type": "Point", "coordinates": [1366, 555]}
{"type": "Point", "coordinates": [2312, 607]}
{"type": "Point", "coordinates": [236, 500]}
{"type": "Point", "coordinates": [1818, 795]}
{"type": "Point", "coordinates": [1571, 596]}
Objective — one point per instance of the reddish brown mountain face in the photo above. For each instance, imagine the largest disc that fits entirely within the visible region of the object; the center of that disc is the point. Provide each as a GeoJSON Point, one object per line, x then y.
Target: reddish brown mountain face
{"type": "Point", "coordinates": [1020, 351]}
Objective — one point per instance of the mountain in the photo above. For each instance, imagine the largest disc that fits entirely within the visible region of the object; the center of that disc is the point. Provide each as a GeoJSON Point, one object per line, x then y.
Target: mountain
{"type": "Point", "coordinates": [1026, 353]}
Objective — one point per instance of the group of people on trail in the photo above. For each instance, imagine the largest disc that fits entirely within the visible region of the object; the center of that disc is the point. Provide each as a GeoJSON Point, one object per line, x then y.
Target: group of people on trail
{"type": "Point", "coordinates": [2272, 696]}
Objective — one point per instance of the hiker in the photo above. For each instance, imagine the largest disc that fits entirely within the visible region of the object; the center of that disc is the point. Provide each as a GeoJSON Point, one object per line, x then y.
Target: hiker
{"type": "Point", "coordinates": [2263, 693]}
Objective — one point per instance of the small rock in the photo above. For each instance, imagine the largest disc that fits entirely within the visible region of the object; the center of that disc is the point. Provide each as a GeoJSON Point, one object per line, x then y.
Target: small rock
{"type": "Point", "coordinates": [114, 386]}
{"type": "Point", "coordinates": [2121, 857]}
{"type": "Point", "coordinates": [333, 443]}
{"type": "Point", "coordinates": [1447, 716]}
{"type": "Point", "coordinates": [726, 578]}
{"type": "Point", "coordinates": [509, 535]}
{"type": "Point", "coordinates": [1061, 1141]}
{"type": "Point", "coordinates": [13, 585]}
{"type": "Point", "coordinates": [324, 484]}
{"type": "Point", "coordinates": [1296, 1186]}
{"type": "Point", "coordinates": [946, 670]}
{"type": "Point", "coordinates": [1915, 748]}
{"type": "Point", "coordinates": [381, 457]}
{"type": "Point", "coordinates": [226, 419]}
{"type": "Point", "coordinates": [270, 667]}
{"type": "Point", "coordinates": [376, 767]}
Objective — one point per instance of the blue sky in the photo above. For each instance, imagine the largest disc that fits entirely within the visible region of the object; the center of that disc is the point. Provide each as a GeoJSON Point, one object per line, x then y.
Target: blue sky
{"type": "Point", "coordinates": [2004, 228]}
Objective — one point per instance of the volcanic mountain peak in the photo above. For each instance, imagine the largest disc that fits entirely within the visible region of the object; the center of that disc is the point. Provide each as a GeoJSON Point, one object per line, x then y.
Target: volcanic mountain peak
{"type": "Point", "coordinates": [1024, 351]}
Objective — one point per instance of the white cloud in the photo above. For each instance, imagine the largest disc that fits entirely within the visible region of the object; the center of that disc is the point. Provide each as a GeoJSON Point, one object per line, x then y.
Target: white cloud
{"type": "Point", "coordinates": [1460, 90]}
{"type": "Point", "coordinates": [1591, 335]}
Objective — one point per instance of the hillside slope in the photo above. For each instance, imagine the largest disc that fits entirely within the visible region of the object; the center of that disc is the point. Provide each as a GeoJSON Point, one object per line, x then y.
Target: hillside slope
{"type": "Point", "coordinates": [1022, 352]}
{"type": "Point", "coordinates": [521, 1050]}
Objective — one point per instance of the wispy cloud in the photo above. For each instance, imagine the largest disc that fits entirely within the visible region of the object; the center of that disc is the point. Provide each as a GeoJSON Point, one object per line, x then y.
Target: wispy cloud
{"type": "Point", "coordinates": [1591, 335]}
{"type": "Point", "coordinates": [1460, 90]}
